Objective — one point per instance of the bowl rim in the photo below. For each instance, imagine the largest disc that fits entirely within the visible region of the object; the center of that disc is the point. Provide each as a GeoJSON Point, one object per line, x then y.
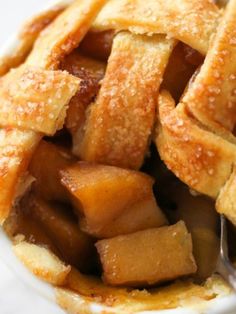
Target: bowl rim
{"type": "Point", "coordinates": [219, 305]}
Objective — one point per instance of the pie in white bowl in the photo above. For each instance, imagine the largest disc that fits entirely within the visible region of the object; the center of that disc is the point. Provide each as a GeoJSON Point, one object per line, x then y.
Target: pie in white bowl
{"type": "Point", "coordinates": [117, 153]}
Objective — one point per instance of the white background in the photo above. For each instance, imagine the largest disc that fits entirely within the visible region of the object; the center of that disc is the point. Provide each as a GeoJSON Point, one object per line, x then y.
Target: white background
{"type": "Point", "coordinates": [15, 297]}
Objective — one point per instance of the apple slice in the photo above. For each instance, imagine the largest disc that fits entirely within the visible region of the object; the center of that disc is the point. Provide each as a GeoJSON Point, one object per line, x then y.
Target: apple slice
{"type": "Point", "coordinates": [102, 194]}
{"type": "Point", "coordinates": [45, 165]}
{"type": "Point", "coordinates": [142, 215]}
{"type": "Point", "coordinates": [147, 257]}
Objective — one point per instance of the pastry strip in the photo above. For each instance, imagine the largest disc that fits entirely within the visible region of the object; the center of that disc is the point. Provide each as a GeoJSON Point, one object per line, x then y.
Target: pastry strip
{"type": "Point", "coordinates": [192, 22]}
{"type": "Point", "coordinates": [42, 262]}
{"type": "Point", "coordinates": [212, 96]}
{"type": "Point", "coordinates": [34, 99]}
{"type": "Point", "coordinates": [64, 34]}
{"type": "Point", "coordinates": [16, 148]}
{"type": "Point", "coordinates": [198, 157]}
{"type": "Point", "coordinates": [21, 95]}
{"type": "Point", "coordinates": [42, 116]}
{"type": "Point", "coordinates": [26, 39]}
{"type": "Point", "coordinates": [120, 123]}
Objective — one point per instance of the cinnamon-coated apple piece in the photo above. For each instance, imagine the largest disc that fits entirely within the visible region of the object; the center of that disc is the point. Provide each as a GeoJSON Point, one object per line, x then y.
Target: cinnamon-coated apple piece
{"type": "Point", "coordinates": [74, 246]}
{"type": "Point", "coordinates": [45, 165]}
{"type": "Point", "coordinates": [90, 72]}
{"type": "Point", "coordinates": [103, 194]}
{"type": "Point", "coordinates": [147, 257]}
{"type": "Point", "coordinates": [21, 224]}
{"type": "Point", "coordinates": [143, 215]}
{"type": "Point", "coordinates": [198, 212]}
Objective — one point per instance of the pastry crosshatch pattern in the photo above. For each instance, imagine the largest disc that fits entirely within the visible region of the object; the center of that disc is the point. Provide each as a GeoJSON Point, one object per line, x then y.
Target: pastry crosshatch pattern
{"type": "Point", "coordinates": [118, 146]}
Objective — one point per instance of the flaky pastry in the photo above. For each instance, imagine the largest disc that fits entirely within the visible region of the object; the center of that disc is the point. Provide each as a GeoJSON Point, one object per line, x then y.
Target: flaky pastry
{"type": "Point", "coordinates": [117, 145]}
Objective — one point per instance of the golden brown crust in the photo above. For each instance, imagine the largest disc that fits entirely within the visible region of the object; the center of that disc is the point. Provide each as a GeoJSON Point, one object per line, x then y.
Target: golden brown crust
{"type": "Point", "coordinates": [121, 120]}
{"type": "Point", "coordinates": [89, 289]}
{"type": "Point", "coordinates": [34, 99]}
{"type": "Point", "coordinates": [25, 108]}
{"type": "Point", "coordinates": [195, 143]}
{"type": "Point", "coordinates": [16, 149]}
{"type": "Point", "coordinates": [192, 22]}
{"type": "Point", "coordinates": [27, 37]}
{"type": "Point", "coordinates": [64, 34]}
{"type": "Point", "coordinates": [36, 24]}
{"type": "Point", "coordinates": [42, 262]}
{"type": "Point", "coordinates": [198, 157]}
{"type": "Point", "coordinates": [212, 96]}
{"type": "Point", "coordinates": [195, 139]}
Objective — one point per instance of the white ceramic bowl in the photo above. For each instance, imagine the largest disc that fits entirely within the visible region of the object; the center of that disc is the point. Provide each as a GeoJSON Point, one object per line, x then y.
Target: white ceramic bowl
{"type": "Point", "coordinates": [220, 305]}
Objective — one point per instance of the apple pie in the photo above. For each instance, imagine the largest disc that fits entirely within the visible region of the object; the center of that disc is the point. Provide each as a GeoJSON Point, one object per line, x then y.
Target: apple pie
{"type": "Point", "coordinates": [118, 150]}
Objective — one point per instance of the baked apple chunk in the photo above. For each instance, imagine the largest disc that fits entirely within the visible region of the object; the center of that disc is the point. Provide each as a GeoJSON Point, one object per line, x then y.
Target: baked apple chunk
{"type": "Point", "coordinates": [142, 215]}
{"type": "Point", "coordinates": [44, 167]}
{"type": "Point", "coordinates": [111, 200]}
{"type": "Point", "coordinates": [73, 245]}
{"type": "Point", "coordinates": [168, 250]}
